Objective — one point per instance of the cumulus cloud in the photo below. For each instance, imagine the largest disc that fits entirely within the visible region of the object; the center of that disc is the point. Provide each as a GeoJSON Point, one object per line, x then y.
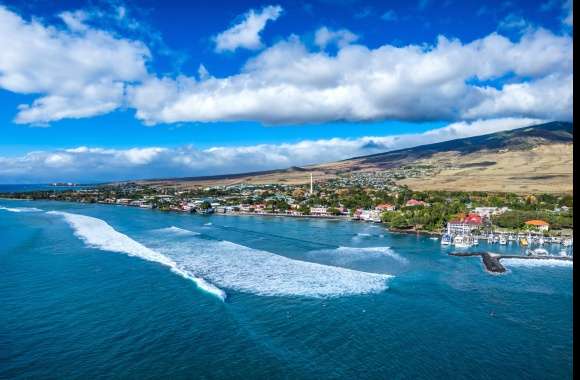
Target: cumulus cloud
{"type": "Point", "coordinates": [450, 80]}
{"type": "Point", "coordinates": [246, 34]}
{"type": "Point", "coordinates": [100, 164]}
{"type": "Point", "coordinates": [78, 71]}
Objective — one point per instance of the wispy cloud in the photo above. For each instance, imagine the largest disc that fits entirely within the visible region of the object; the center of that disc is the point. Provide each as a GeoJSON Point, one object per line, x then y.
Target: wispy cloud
{"type": "Point", "coordinates": [101, 164]}
{"type": "Point", "coordinates": [341, 38]}
{"type": "Point", "coordinates": [389, 15]}
{"type": "Point", "coordinates": [246, 33]}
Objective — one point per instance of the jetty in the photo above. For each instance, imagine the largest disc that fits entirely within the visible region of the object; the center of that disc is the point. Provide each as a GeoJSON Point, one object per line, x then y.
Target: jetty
{"type": "Point", "coordinates": [492, 264]}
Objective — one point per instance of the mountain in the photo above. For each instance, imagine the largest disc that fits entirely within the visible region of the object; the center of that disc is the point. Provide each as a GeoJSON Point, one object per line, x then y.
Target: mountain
{"type": "Point", "coordinates": [531, 159]}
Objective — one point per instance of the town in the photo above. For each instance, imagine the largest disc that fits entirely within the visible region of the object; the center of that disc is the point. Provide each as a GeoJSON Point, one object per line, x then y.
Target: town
{"type": "Point", "coordinates": [460, 218]}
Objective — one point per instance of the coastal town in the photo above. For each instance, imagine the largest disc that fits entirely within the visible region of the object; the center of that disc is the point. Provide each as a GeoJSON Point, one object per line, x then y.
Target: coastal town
{"type": "Point", "coordinates": [460, 219]}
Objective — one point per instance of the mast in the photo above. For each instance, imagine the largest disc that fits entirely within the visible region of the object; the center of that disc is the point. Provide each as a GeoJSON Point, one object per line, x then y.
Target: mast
{"type": "Point", "coordinates": [311, 187]}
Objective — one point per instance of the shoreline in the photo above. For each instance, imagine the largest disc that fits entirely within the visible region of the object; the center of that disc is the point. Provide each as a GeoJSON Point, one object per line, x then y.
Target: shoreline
{"type": "Point", "coordinates": [241, 213]}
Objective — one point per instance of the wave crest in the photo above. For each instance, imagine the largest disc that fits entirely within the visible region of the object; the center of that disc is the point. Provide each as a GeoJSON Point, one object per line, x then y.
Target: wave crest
{"type": "Point", "coordinates": [97, 233]}
{"type": "Point", "coordinates": [20, 209]}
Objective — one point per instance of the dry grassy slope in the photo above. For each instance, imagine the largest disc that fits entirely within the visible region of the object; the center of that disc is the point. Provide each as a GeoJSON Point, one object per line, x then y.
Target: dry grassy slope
{"type": "Point", "coordinates": [525, 160]}
{"type": "Point", "coordinates": [543, 169]}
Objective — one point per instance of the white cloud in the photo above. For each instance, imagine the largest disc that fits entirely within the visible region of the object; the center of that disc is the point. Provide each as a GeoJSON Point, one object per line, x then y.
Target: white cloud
{"type": "Point", "coordinates": [343, 37]}
{"type": "Point", "coordinates": [100, 164]}
{"type": "Point", "coordinates": [246, 34]}
{"type": "Point", "coordinates": [81, 71]}
{"type": "Point", "coordinates": [78, 71]}
{"type": "Point", "coordinates": [288, 83]}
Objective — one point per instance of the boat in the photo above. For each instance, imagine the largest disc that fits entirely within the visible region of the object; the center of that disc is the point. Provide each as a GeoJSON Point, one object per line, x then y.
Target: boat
{"type": "Point", "coordinates": [555, 240]}
{"type": "Point", "coordinates": [567, 242]}
{"type": "Point", "coordinates": [538, 252]}
{"type": "Point", "coordinates": [461, 241]}
{"type": "Point", "coordinates": [541, 240]}
{"type": "Point", "coordinates": [490, 238]}
{"type": "Point", "coordinates": [475, 241]}
{"type": "Point", "coordinates": [524, 241]}
{"type": "Point", "coordinates": [446, 239]}
{"type": "Point", "coordinates": [512, 238]}
{"type": "Point", "coordinates": [502, 240]}
{"type": "Point", "coordinates": [496, 239]}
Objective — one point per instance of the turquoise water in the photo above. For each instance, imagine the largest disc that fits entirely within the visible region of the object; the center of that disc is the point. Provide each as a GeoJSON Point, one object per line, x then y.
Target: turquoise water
{"type": "Point", "coordinates": [108, 291]}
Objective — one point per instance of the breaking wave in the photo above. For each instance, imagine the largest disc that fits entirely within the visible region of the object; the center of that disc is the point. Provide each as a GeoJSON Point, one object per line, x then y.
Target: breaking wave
{"type": "Point", "coordinates": [177, 231]}
{"type": "Point", "coordinates": [349, 254]}
{"type": "Point", "coordinates": [249, 270]}
{"type": "Point", "coordinates": [20, 209]}
{"type": "Point", "coordinates": [97, 233]}
{"type": "Point", "coordinates": [537, 263]}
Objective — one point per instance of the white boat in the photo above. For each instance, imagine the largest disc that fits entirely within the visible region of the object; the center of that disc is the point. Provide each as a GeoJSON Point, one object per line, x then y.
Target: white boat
{"type": "Point", "coordinates": [461, 241]}
{"type": "Point", "coordinates": [446, 239]}
{"type": "Point", "coordinates": [490, 238]}
{"type": "Point", "coordinates": [567, 242]}
{"type": "Point", "coordinates": [512, 238]}
{"type": "Point", "coordinates": [502, 240]}
{"type": "Point", "coordinates": [496, 239]}
{"type": "Point", "coordinates": [541, 240]}
{"type": "Point", "coordinates": [538, 252]}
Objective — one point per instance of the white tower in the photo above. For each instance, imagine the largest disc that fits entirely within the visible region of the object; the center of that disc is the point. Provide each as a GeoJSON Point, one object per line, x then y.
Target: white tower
{"type": "Point", "coordinates": [311, 186]}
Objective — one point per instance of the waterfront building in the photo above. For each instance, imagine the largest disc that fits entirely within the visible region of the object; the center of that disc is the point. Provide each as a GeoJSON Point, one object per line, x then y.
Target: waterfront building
{"type": "Point", "coordinates": [385, 207]}
{"type": "Point", "coordinates": [540, 225]}
{"type": "Point", "coordinates": [465, 225]}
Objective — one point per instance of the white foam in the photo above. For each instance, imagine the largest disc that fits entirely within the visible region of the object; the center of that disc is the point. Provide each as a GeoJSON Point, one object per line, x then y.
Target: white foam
{"type": "Point", "coordinates": [537, 262]}
{"type": "Point", "coordinates": [244, 269]}
{"type": "Point", "coordinates": [20, 209]}
{"type": "Point", "coordinates": [364, 252]}
{"type": "Point", "coordinates": [98, 234]}
{"type": "Point", "coordinates": [177, 231]}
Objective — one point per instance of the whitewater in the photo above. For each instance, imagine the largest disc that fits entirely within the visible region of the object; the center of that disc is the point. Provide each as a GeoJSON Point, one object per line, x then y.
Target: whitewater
{"type": "Point", "coordinates": [99, 234]}
{"type": "Point", "coordinates": [226, 264]}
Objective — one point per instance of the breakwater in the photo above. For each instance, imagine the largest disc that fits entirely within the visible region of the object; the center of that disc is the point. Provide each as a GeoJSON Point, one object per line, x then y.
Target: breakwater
{"type": "Point", "coordinates": [492, 261]}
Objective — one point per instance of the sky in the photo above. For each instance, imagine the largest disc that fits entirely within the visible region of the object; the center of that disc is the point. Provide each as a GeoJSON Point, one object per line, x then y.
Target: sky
{"type": "Point", "coordinates": [106, 90]}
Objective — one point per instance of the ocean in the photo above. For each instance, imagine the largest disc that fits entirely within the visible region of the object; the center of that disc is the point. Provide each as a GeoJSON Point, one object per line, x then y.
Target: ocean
{"type": "Point", "coordinates": [98, 291]}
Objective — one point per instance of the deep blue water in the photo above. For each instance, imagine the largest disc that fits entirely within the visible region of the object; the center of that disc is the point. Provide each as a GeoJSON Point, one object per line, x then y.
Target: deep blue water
{"type": "Point", "coordinates": [115, 292]}
{"type": "Point", "coordinates": [4, 188]}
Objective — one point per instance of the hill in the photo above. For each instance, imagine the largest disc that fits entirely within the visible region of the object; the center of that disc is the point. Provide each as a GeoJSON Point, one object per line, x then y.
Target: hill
{"type": "Point", "coordinates": [530, 159]}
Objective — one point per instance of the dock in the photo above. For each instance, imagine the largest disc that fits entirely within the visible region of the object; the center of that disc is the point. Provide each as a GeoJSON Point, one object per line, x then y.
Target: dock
{"type": "Point", "coordinates": [492, 264]}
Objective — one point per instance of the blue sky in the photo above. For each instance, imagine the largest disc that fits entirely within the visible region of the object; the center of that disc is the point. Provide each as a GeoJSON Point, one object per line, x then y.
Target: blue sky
{"type": "Point", "coordinates": [101, 90]}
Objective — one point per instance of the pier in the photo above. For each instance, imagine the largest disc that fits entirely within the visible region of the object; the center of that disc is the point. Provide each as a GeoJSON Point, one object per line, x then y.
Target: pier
{"type": "Point", "coordinates": [492, 264]}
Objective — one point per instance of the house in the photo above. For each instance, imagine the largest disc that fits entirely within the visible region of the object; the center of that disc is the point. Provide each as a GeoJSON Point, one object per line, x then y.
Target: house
{"type": "Point", "coordinates": [540, 225]}
{"type": "Point", "coordinates": [385, 207]}
{"type": "Point", "coordinates": [318, 210]}
{"type": "Point", "coordinates": [414, 202]}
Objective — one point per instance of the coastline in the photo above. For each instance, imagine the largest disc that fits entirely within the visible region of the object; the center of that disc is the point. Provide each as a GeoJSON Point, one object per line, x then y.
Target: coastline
{"type": "Point", "coordinates": [241, 213]}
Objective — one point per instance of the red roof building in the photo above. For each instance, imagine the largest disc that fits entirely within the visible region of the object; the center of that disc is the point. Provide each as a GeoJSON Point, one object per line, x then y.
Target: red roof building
{"type": "Point", "coordinates": [473, 219]}
{"type": "Point", "coordinates": [414, 202]}
{"type": "Point", "coordinates": [385, 207]}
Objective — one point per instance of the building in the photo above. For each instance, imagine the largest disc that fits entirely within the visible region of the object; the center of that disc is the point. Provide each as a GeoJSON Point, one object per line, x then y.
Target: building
{"type": "Point", "coordinates": [540, 225]}
{"type": "Point", "coordinates": [488, 212]}
{"type": "Point", "coordinates": [414, 202]}
{"type": "Point", "coordinates": [385, 207]}
{"type": "Point", "coordinates": [464, 225]}
{"type": "Point", "coordinates": [319, 210]}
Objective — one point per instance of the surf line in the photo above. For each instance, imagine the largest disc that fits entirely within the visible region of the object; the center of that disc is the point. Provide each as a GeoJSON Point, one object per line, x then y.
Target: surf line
{"type": "Point", "coordinates": [99, 234]}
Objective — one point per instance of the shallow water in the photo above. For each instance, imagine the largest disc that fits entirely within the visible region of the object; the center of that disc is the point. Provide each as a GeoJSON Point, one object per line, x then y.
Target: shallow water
{"type": "Point", "coordinates": [94, 290]}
